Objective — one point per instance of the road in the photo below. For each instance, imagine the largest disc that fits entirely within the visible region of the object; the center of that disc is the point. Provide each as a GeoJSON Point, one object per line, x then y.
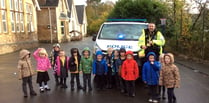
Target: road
{"type": "Point", "coordinates": [194, 86]}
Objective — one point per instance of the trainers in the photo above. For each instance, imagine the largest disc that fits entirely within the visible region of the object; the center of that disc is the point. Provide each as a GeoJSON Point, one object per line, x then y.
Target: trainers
{"type": "Point", "coordinates": [155, 101]}
{"type": "Point", "coordinates": [150, 100]}
{"type": "Point", "coordinates": [46, 87]}
{"type": "Point", "coordinates": [41, 89]}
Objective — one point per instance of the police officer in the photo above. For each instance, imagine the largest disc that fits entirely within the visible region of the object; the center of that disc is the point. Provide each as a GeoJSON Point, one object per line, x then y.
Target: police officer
{"type": "Point", "coordinates": [151, 40]}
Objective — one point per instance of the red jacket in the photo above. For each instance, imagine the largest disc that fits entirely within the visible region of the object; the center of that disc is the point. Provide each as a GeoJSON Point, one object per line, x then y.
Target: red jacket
{"type": "Point", "coordinates": [130, 70]}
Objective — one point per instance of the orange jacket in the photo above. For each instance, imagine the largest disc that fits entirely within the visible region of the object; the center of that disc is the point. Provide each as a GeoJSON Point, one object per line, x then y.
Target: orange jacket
{"type": "Point", "coordinates": [129, 70]}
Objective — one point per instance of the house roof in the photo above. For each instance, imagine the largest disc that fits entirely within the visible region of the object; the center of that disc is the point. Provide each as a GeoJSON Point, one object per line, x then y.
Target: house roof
{"type": "Point", "coordinates": [70, 3]}
{"type": "Point", "coordinates": [80, 13]}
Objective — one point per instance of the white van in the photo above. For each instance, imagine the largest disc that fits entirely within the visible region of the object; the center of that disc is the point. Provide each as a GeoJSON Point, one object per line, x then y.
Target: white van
{"type": "Point", "coordinates": [119, 33]}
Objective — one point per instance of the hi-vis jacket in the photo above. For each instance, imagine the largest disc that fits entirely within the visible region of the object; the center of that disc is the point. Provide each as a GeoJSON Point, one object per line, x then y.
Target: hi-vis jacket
{"type": "Point", "coordinates": [159, 41]}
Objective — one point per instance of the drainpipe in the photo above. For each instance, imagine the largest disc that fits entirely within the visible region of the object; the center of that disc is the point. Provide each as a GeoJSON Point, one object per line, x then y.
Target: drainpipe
{"type": "Point", "coordinates": [50, 23]}
{"type": "Point", "coordinates": [37, 5]}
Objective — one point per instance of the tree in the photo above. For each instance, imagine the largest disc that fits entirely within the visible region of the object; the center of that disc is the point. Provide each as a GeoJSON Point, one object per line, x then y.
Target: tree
{"type": "Point", "coordinates": [152, 10]}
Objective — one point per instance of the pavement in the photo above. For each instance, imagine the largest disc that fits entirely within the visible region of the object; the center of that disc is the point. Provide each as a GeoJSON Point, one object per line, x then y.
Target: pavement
{"type": "Point", "coordinates": [194, 83]}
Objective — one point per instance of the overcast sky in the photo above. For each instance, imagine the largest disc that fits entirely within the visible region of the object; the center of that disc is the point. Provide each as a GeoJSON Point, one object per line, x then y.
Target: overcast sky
{"type": "Point", "coordinates": [81, 2]}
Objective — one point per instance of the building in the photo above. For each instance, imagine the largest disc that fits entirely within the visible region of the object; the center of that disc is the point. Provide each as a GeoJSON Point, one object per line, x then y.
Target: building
{"type": "Point", "coordinates": [53, 21]}
{"type": "Point", "coordinates": [82, 18]}
{"type": "Point", "coordinates": [18, 25]}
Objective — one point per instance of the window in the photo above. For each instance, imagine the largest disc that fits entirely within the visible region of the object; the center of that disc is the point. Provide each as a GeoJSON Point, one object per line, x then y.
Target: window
{"type": "Point", "coordinates": [29, 18]}
{"type": "Point", "coordinates": [22, 22]}
{"type": "Point", "coordinates": [20, 6]}
{"type": "Point", "coordinates": [18, 22]}
{"type": "Point", "coordinates": [11, 4]}
{"type": "Point", "coordinates": [12, 17]}
{"type": "Point", "coordinates": [62, 27]}
{"type": "Point", "coordinates": [16, 5]}
{"type": "Point", "coordinates": [3, 4]}
{"type": "Point", "coordinates": [4, 21]}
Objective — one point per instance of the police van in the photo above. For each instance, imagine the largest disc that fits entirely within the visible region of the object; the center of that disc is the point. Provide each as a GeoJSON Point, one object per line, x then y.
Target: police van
{"type": "Point", "coordinates": [119, 33]}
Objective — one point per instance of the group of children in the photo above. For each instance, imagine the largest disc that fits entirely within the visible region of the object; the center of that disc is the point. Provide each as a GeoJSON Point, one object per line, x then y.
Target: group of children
{"type": "Point", "coordinates": [116, 69]}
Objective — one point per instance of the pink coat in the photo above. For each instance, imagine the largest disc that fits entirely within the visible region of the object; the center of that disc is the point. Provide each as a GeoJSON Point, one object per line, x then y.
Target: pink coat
{"type": "Point", "coordinates": [58, 65]}
{"type": "Point", "coordinates": [43, 64]}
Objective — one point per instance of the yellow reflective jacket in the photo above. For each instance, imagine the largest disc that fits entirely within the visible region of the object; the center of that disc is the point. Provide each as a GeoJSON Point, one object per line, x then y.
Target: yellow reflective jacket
{"type": "Point", "coordinates": [159, 41]}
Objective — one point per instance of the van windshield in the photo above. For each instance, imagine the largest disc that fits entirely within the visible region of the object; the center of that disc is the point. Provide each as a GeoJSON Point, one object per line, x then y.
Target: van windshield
{"type": "Point", "coordinates": [121, 31]}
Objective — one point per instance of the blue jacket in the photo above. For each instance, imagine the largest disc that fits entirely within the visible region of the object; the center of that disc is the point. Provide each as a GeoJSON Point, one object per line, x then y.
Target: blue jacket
{"type": "Point", "coordinates": [150, 72]}
{"type": "Point", "coordinates": [99, 67]}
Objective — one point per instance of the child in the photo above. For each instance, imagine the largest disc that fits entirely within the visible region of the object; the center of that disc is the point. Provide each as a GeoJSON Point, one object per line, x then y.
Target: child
{"type": "Point", "coordinates": [86, 68]}
{"type": "Point", "coordinates": [115, 67]}
{"type": "Point", "coordinates": [53, 58]}
{"type": "Point", "coordinates": [122, 59]}
{"type": "Point", "coordinates": [130, 73]}
{"type": "Point", "coordinates": [99, 69]}
{"type": "Point", "coordinates": [108, 59]}
{"type": "Point", "coordinates": [169, 77]}
{"type": "Point", "coordinates": [62, 68]}
{"type": "Point", "coordinates": [161, 88]}
{"type": "Point", "coordinates": [43, 65]}
{"type": "Point", "coordinates": [150, 75]}
{"type": "Point", "coordinates": [74, 68]}
{"type": "Point", "coordinates": [26, 72]}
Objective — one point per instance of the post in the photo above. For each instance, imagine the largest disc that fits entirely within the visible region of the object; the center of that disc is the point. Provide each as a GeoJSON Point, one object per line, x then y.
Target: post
{"type": "Point", "coordinates": [50, 23]}
{"type": "Point", "coordinates": [203, 34]}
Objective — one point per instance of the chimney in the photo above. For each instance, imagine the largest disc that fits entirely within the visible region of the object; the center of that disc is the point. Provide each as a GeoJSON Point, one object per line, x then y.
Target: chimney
{"type": "Point", "coordinates": [42, 2]}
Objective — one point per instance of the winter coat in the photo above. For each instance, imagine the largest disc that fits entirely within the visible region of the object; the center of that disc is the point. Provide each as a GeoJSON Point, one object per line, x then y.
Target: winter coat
{"type": "Point", "coordinates": [99, 67]}
{"type": "Point", "coordinates": [53, 57]}
{"type": "Point", "coordinates": [150, 72]}
{"type": "Point", "coordinates": [24, 65]}
{"type": "Point", "coordinates": [86, 65]}
{"type": "Point", "coordinates": [169, 75]}
{"type": "Point", "coordinates": [43, 64]}
{"type": "Point", "coordinates": [59, 65]}
{"type": "Point", "coordinates": [129, 70]}
{"type": "Point", "coordinates": [116, 65]}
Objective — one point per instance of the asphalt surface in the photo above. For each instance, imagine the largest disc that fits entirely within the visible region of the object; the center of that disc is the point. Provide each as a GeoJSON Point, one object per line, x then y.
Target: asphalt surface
{"type": "Point", "coordinates": [194, 85]}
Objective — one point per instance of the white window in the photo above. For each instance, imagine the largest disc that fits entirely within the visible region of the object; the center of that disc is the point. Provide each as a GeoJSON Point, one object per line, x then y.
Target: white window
{"type": "Point", "coordinates": [12, 17]}
{"type": "Point", "coordinates": [17, 22]}
{"type": "Point", "coordinates": [11, 4]}
{"type": "Point", "coordinates": [4, 21]}
{"type": "Point", "coordinates": [29, 18]}
{"type": "Point", "coordinates": [22, 22]}
{"type": "Point", "coordinates": [16, 5]}
{"type": "Point", "coordinates": [20, 6]}
{"type": "Point", "coordinates": [3, 4]}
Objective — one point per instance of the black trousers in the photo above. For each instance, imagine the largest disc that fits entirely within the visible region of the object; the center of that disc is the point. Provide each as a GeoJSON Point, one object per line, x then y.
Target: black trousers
{"type": "Point", "coordinates": [100, 79]}
{"type": "Point", "coordinates": [116, 80]}
{"type": "Point", "coordinates": [171, 95]}
{"type": "Point", "coordinates": [25, 81]}
{"type": "Point", "coordinates": [109, 77]}
{"type": "Point", "coordinates": [161, 90]}
{"type": "Point", "coordinates": [153, 92]}
{"type": "Point", "coordinates": [122, 84]}
{"type": "Point", "coordinates": [130, 87]}
{"type": "Point", "coordinates": [87, 80]}
{"type": "Point", "coordinates": [63, 81]}
{"type": "Point", "coordinates": [75, 76]}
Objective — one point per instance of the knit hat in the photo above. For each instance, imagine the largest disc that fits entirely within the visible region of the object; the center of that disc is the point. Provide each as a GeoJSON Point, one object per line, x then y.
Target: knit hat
{"type": "Point", "coordinates": [99, 53]}
{"type": "Point", "coordinates": [56, 45]}
{"type": "Point", "coordinates": [129, 53]}
{"type": "Point", "coordinates": [43, 51]}
{"type": "Point", "coordinates": [122, 50]}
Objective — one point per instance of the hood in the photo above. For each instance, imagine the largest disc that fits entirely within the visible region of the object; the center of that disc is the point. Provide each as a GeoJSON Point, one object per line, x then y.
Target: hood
{"type": "Point", "coordinates": [151, 53]}
{"type": "Point", "coordinates": [86, 49]}
{"type": "Point", "coordinates": [129, 53]}
{"type": "Point", "coordinates": [99, 53]}
{"type": "Point", "coordinates": [23, 53]}
{"type": "Point", "coordinates": [171, 56]}
{"type": "Point", "coordinates": [73, 50]}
